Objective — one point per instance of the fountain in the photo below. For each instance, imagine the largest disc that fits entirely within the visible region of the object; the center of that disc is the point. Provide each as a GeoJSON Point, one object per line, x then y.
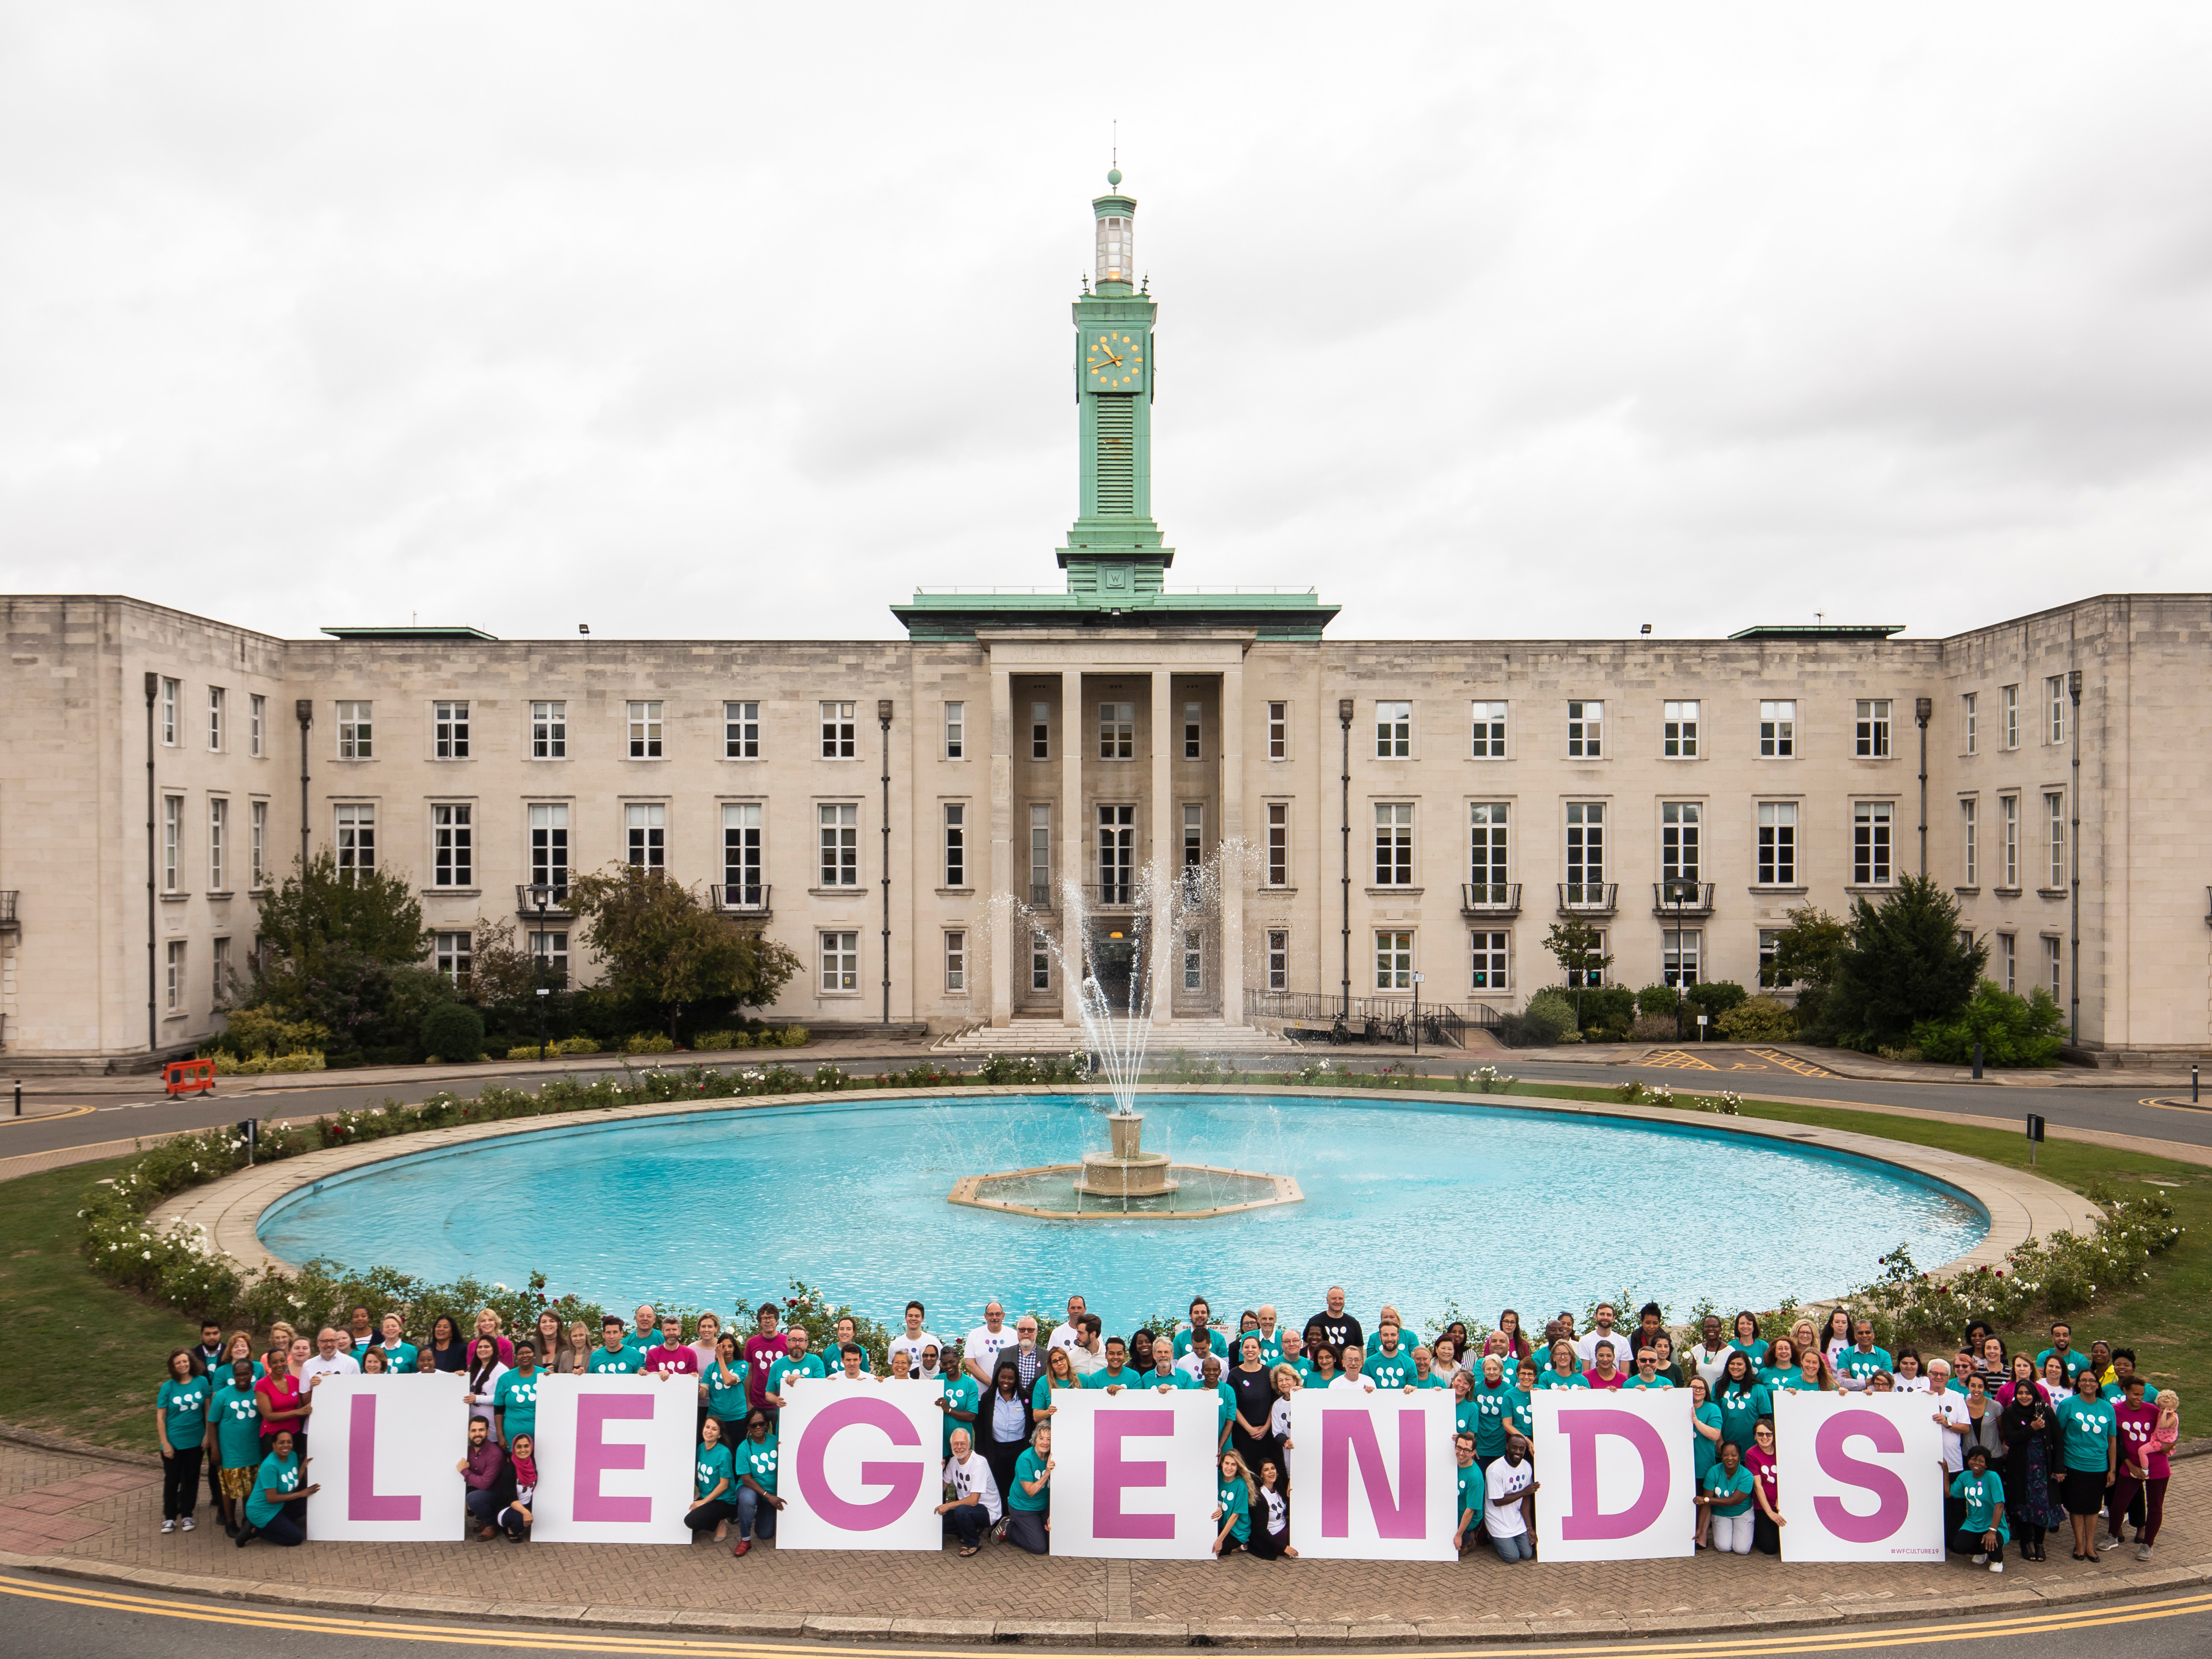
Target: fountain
{"type": "Point", "coordinates": [1127, 1170]}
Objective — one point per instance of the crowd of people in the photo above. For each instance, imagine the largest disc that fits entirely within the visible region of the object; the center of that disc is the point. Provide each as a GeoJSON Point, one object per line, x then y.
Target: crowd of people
{"type": "Point", "coordinates": [2032, 1445]}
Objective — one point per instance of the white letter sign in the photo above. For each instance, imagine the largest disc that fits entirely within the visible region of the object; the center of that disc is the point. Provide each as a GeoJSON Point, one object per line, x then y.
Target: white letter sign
{"type": "Point", "coordinates": [614, 1459]}
{"type": "Point", "coordinates": [1374, 1474]}
{"type": "Point", "coordinates": [860, 1468]}
{"type": "Point", "coordinates": [1134, 1474]}
{"type": "Point", "coordinates": [384, 1450]}
{"type": "Point", "coordinates": [1617, 1472]}
{"type": "Point", "coordinates": [1861, 1477]}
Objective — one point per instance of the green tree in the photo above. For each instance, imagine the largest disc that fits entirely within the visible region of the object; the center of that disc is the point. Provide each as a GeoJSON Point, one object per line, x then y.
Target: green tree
{"type": "Point", "coordinates": [1906, 961]}
{"type": "Point", "coordinates": [1807, 950]}
{"type": "Point", "coordinates": [344, 949]}
{"type": "Point", "coordinates": [661, 948]}
{"type": "Point", "coordinates": [1574, 944]}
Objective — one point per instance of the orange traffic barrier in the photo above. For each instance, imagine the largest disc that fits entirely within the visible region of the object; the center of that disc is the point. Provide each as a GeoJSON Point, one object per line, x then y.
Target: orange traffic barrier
{"type": "Point", "coordinates": [190, 1077]}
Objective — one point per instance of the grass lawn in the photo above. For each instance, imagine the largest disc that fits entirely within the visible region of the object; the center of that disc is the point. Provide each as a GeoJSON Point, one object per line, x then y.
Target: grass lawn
{"type": "Point", "coordinates": [110, 1344]}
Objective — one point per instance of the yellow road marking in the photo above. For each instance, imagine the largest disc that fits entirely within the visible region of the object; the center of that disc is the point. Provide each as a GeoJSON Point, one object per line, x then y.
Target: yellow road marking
{"type": "Point", "coordinates": [2173, 1105]}
{"type": "Point", "coordinates": [1826, 1640]}
{"type": "Point", "coordinates": [1675, 1060]}
{"type": "Point", "coordinates": [48, 1117]}
{"type": "Point", "coordinates": [1802, 1067]}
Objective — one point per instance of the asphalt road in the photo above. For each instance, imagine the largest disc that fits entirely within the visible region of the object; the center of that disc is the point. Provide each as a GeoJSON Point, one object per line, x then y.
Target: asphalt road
{"type": "Point", "coordinates": [94, 1117]}
{"type": "Point", "coordinates": [53, 1618]}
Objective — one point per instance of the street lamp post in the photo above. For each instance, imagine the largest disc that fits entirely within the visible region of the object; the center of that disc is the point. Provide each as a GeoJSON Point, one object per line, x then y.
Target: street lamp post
{"type": "Point", "coordinates": [1674, 889]}
{"type": "Point", "coordinates": [541, 895]}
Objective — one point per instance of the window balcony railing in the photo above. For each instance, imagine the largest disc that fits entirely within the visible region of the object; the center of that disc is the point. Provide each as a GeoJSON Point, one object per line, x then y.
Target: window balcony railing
{"type": "Point", "coordinates": [1494, 898]}
{"type": "Point", "coordinates": [1682, 898]}
{"type": "Point", "coordinates": [1590, 898]}
{"type": "Point", "coordinates": [740, 900]}
{"type": "Point", "coordinates": [1043, 896]}
{"type": "Point", "coordinates": [8, 907]}
{"type": "Point", "coordinates": [555, 894]}
{"type": "Point", "coordinates": [1112, 895]}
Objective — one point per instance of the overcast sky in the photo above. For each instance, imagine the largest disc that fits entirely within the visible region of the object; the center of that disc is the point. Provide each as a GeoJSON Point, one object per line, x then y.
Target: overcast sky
{"type": "Point", "coordinates": [741, 321]}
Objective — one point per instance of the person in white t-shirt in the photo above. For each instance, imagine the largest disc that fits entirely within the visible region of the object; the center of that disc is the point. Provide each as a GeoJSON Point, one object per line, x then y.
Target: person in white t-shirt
{"type": "Point", "coordinates": [1354, 1357]}
{"type": "Point", "coordinates": [913, 1340]}
{"type": "Point", "coordinates": [327, 1361]}
{"type": "Point", "coordinates": [1193, 1364]}
{"type": "Point", "coordinates": [980, 1354]}
{"type": "Point", "coordinates": [1603, 1329]}
{"type": "Point", "coordinates": [1069, 1333]}
{"type": "Point", "coordinates": [1509, 1483]}
{"type": "Point", "coordinates": [1951, 1415]}
{"type": "Point", "coordinates": [972, 1503]}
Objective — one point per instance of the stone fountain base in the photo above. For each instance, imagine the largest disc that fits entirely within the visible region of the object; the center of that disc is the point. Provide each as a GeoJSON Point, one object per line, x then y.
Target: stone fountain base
{"type": "Point", "coordinates": [1123, 1182]}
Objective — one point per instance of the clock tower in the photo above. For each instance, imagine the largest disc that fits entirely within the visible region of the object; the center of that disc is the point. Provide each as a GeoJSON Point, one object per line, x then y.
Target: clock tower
{"type": "Point", "coordinates": [1113, 552]}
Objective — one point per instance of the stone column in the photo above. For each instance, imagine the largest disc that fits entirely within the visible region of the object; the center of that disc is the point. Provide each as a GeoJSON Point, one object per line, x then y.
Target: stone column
{"type": "Point", "coordinates": [1073, 729]}
{"type": "Point", "coordinates": [1000, 909]}
{"type": "Point", "coordinates": [1166, 850]}
{"type": "Point", "coordinates": [1233, 868]}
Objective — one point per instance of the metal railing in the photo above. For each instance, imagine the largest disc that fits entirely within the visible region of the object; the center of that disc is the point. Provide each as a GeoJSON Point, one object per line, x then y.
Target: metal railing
{"type": "Point", "coordinates": [1043, 896]}
{"type": "Point", "coordinates": [556, 899]}
{"type": "Point", "coordinates": [1682, 898]}
{"type": "Point", "coordinates": [1369, 1019]}
{"type": "Point", "coordinates": [1497, 898]}
{"type": "Point", "coordinates": [1597, 898]}
{"type": "Point", "coordinates": [748, 901]}
{"type": "Point", "coordinates": [1112, 895]}
{"type": "Point", "coordinates": [7, 907]}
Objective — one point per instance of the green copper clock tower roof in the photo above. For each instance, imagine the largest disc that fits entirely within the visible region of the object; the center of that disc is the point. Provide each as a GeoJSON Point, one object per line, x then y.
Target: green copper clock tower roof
{"type": "Point", "coordinates": [1114, 558]}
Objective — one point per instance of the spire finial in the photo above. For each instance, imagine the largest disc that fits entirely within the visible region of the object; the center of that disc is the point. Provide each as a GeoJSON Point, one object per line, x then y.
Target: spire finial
{"type": "Point", "coordinates": [1114, 166]}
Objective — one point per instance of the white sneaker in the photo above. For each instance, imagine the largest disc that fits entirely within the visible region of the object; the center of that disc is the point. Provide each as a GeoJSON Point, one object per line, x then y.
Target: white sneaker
{"type": "Point", "coordinates": [185, 1524]}
{"type": "Point", "coordinates": [1982, 1559]}
{"type": "Point", "coordinates": [168, 1526]}
{"type": "Point", "coordinates": [1997, 1566]}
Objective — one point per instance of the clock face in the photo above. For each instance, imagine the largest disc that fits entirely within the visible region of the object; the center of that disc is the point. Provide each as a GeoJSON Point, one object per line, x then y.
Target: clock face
{"type": "Point", "coordinates": [1113, 360]}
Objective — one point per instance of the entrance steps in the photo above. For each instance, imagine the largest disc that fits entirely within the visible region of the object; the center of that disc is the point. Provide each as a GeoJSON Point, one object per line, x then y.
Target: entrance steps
{"type": "Point", "coordinates": [1052, 1036]}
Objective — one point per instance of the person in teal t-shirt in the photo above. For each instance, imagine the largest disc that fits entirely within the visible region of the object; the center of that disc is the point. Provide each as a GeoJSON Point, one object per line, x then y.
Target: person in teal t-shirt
{"type": "Point", "coordinates": [269, 1509]}
{"type": "Point", "coordinates": [1563, 1372]}
{"type": "Point", "coordinates": [1742, 1402]}
{"type": "Point", "coordinates": [754, 1460]}
{"type": "Point", "coordinates": [614, 1357]}
{"type": "Point", "coordinates": [961, 1397]}
{"type": "Point", "coordinates": [1234, 1511]}
{"type": "Point", "coordinates": [236, 1413]}
{"type": "Point", "coordinates": [1029, 1497]}
{"type": "Point", "coordinates": [398, 1352]}
{"type": "Point", "coordinates": [2088, 1436]}
{"type": "Point", "coordinates": [796, 1362]}
{"type": "Point", "coordinates": [1780, 1370]}
{"type": "Point", "coordinates": [723, 1386]}
{"type": "Point", "coordinates": [1468, 1477]}
{"type": "Point", "coordinates": [1115, 1373]}
{"type": "Point", "coordinates": [1856, 1364]}
{"type": "Point", "coordinates": [1389, 1363]}
{"type": "Point", "coordinates": [2062, 1345]}
{"type": "Point", "coordinates": [1225, 1413]}
{"type": "Point", "coordinates": [1647, 1372]}
{"type": "Point", "coordinates": [1522, 1416]}
{"type": "Point", "coordinates": [181, 1423]}
{"type": "Point", "coordinates": [1492, 1400]}
{"type": "Point", "coordinates": [514, 1399]}
{"type": "Point", "coordinates": [1726, 1491]}
{"type": "Point", "coordinates": [1983, 1533]}
{"type": "Point", "coordinates": [1705, 1443]}
{"type": "Point", "coordinates": [713, 1484]}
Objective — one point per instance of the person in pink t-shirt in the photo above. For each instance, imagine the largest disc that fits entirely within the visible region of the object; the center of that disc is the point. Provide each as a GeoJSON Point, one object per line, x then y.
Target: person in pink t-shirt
{"type": "Point", "coordinates": [2147, 1431]}
{"type": "Point", "coordinates": [763, 1349]}
{"type": "Point", "coordinates": [672, 1356]}
{"type": "Point", "coordinates": [1767, 1518]}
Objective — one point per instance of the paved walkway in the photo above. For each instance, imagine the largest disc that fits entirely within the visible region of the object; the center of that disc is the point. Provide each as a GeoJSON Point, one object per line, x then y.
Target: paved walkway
{"type": "Point", "coordinates": [92, 1516]}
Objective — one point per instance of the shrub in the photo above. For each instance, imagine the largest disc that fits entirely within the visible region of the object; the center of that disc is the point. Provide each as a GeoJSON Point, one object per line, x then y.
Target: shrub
{"type": "Point", "coordinates": [715, 1041]}
{"type": "Point", "coordinates": [454, 1031]}
{"type": "Point", "coordinates": [1553, 1010]}
{"type": "Point", "coordinates": [1658, 1000]}
{"type": "Point", "coordinates": [791, 1036]}
{"type": "Point", "coordinates": [263, 1064]}
{"type": "Point", "coordinates": [1904, 963]}
{"type": "Point", "coordinates": [1518, 1031]}
{"type": "Point", "coordinates": [251, 1033]}
{"type": "Point", "coordinates": [1713, 998]}
{"type": "Point", "coordinates": [2014, 1030]}
{"type": "Point", "coordinates": [576, 1045]}
{"type": "Point", "coordinates": [1605, 1008]}
{"type": "Point", "coordinates": [1654, 1028]}
{"type": "Point", "coordinates": [1760, 1019]}
{"type": "Point", "coordinates": [649, 1043]}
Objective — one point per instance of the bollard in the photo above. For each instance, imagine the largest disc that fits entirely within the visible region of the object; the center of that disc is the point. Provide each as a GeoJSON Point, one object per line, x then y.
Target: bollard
{"type": "Point", "coordinates": [2192, 1094]}
{"type": "Point", "coordinates": [1977, 1059]}
{"type": "Point", "coordinates": [19, 1110]}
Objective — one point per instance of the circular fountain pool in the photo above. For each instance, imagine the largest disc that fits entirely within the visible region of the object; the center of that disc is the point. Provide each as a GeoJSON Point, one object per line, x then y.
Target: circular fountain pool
{"type": "Point", "coordinates": [1418, 1202]}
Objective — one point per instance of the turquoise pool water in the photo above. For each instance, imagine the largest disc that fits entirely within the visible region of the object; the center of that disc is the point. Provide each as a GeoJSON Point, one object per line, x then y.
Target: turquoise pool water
{"type": "Point", "coordinates": [1419, 1203]}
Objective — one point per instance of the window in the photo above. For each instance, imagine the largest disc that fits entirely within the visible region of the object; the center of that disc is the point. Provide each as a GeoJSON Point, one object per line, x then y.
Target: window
{"type": "Point", "coordinates": [355, 730]}
{"type": "Point", "coordinates": [1777, 730]}
{"type": "Point", "coordinates": [452, 846]}
{"type": "Point", "coordinates": [741, 853]}
{"type": "Point", "coordinates": [452, 957]}
{"type": "Point", "coordinates": [740, 731]}
{"type": "Point", "coordinates": [174, 984]}
{"type": "Point", "coordinates": [551, 952]}
{"type": "Point", "coordinates": [1117, 853]}
{"type": "Point", "coordinates": [1679, 951]}
{"type": "Point", "coordinates": [220, 962]}
{"type": "Point", "coordinates": [1394, 843]}
{"type": "Point", "coordinates": [1589, 978]}
{"type": "Point", "coordinates": [2054, 698]}
{"type": "Point", "coordinates": [173, 842]}
{"type": "Point", "coordinates": [1769, 942]}
{"type": "Point", "coordinates": [257, 842]}
{"type": "Point", "coordinates": [2009, 815]}
{"type": "Point", "coordinates": [1678, 840]}
{"type": "Point", "coordinates": [645, 835]}
{"type": "Point", "coordinates": [2054, 962]}
{"type": "Point", "coordinates": [1393, 961]}
{"type": "Point", "coordinates": [1040, 854]}
{"type": "Point", "coordinates": [548, 851]}
{"type": "Point", "coordinates": [549, 730]}
{"type": "Point", "coordinates": [215, 698]}
{"type": "Point", "coordinates": [956, 731]}
{"type": "Point", "coordinates": [1680, 739]}
{"type": "Point", "coordinates": [1279, 731]}
{"type": "Point", "coordinates": [1870, 828]}
{"type": "Point", "coordinates": [356, 827]}
{"type": "Point", "coordinates": [1488, 951]}
{"type": "Point", "coordinates": [1193, 835]}
{"type": "Point", "coordinates": [1585, 849]}
{"type": "Point", "coordinates": [956, 844]}
{"type": "Point", "coordinates": [449, 730]}
{"type": "Point", "coordinates": [838, 826]}
{"type": "Point", "coordinates": [1394, 731]}
{"type": "Point", "coordinates": [1489, 723]}
{"type": "Point", "coordinates": [644, 717]}
{"type": "Point", "coordinates": [840, 962]}
{"type": "Point", "coordinates": [170, 690]}
{"type": "Point", "coordinates": [1486, 850]}
{"type": "Point", "coordinates": [2008, 717]}
{"type": "Point", "coordinates": [257, 726]}
{"type": "Point", "coordinates": [1040, 731]}
{"type": "Point", "coordinates": [1874, 728]}
{"type": "Point", "coordinates": [1278, 959]}
{"type": "Point", "coordinates": [1194, 959]}
{"type": "Point", "coordinates": [1970, 722]}
{"type": "Point", "coordinates": [218, 842]}
{"type": "Point", "coordinates": [956, 961]}
{"type": "Point", "coordinates": [1585, 731]}
{"type": "Point", "coordinates": [1193, 729]}
{"type": "Point", "coordinates": [1970, 835]}
{"type": "Point", "coordinates": [2009, 962]}
{"type": "Point", "coordinates": [1278, 843]}
{"type": "Point", "coordinates": [1777, 843]}
{"type": "Point", "coordinates": [837, 731]}
{"type": "Point", "coordinates": [1117, 730]}
{"type": "Point", "coordinates": [1040, 962]}
{"type": "Point", "coordinates": [2054, 839]}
